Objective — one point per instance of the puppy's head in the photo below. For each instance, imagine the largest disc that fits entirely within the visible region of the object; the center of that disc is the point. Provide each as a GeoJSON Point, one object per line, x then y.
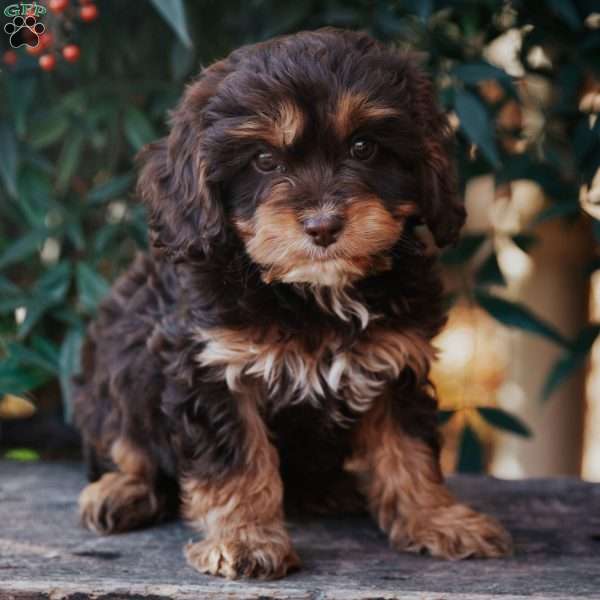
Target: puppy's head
{"type": "Point", "coordinates": [314, 150]}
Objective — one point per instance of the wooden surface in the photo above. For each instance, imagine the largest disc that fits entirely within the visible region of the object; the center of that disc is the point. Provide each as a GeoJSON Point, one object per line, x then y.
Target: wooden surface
{"type": "Point", "coordinates": [45, 554]}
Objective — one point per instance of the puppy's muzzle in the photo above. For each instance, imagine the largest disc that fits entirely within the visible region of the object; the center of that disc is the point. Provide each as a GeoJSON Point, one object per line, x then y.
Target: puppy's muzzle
{"type": "Point", "coordinates": [324, 229]}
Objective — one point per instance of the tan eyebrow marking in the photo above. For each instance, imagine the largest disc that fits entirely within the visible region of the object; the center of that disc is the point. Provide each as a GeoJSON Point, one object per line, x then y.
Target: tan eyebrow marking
{"type": "Point", "coordinates": [354, 108]}
{"type": "Point", "coordinates": [280, 130]}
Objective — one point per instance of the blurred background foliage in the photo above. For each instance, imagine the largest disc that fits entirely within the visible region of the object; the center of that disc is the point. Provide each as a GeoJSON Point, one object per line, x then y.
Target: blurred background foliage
{"type": "Point", "coordinates": [69, 133]}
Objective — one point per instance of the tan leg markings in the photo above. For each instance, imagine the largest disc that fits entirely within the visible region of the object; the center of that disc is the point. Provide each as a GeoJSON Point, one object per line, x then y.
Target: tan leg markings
{"type": "Point", "coordinates": [407, 496]}
{"type": "Point", "coordinates": [123, 499]}
{"type": "Point", "coordinates": [242, 516]}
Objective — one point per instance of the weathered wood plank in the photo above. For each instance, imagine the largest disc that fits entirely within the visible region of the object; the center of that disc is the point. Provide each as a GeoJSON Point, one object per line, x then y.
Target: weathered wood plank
{"type": "Point", "coordinates": [44, 554]}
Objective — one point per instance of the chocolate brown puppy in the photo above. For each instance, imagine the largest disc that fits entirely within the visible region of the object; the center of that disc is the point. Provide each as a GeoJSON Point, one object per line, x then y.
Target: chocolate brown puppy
{"type": "Point", "coordinates": [275, 346]}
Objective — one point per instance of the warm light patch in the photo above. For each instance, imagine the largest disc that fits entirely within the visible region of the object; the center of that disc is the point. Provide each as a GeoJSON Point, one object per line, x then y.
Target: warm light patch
{"type": "Point", "coordinates": [590, 468]}
{"type": "Point", "coordinates": [470, 372]}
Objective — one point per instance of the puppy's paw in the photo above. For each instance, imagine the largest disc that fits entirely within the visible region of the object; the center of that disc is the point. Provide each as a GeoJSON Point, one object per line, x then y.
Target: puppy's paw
{"type": "Point", "coordinates": [453, 532]}
{"type": "Point", "coordinates": [260, 554]}
{"type": "Point", "coordinates": [116, 503]}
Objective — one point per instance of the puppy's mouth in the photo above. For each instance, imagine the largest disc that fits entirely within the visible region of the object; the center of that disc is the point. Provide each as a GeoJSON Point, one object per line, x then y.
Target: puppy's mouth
{"type": "Point", "coordinates": [322, 247]}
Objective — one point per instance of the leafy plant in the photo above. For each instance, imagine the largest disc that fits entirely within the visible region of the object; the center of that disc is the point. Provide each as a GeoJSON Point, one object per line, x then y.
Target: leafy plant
{"type": "Point", "coordinates": [69, 223]}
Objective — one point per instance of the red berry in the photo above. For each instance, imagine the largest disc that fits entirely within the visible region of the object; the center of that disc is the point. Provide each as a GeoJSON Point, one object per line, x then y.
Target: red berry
{"type": "Point", "coordinates": [88, 13]}
{"type": "Point", "coordinates": [47, 62]}
{"type": "Point", "coordinates": [46, 40]}
{"type": "Point", "coordinates": [10, 58]}
{"type": "Point", "coordinates": [71, 53]}
{"type": "Point", "coordinates": [58, 6]}
{"type": "Point", "coordinates": [35, 50]}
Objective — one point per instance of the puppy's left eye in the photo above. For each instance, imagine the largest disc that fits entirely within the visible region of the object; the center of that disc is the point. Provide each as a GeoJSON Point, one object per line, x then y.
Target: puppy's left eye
{"type": "Point", "coordinates": [362, 149]}
{"type": "Point", "coordinates": [266, 162]}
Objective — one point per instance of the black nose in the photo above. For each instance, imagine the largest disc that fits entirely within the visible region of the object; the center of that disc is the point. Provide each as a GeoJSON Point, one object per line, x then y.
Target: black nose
{"type": "Point", "coordinates": [324, 229]}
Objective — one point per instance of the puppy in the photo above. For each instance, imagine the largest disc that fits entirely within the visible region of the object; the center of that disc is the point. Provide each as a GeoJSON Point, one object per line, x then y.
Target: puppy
{"type": "Point", "coordinates": [276, 344]}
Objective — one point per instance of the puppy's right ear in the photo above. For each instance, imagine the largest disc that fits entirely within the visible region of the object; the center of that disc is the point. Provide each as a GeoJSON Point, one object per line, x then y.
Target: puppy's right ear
{"type": "Point", "coordinates": [184, 210]}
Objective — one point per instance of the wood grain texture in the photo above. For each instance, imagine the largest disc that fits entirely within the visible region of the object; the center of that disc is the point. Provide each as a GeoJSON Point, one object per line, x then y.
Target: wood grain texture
{"type": "Point", "coordinates": [44, 554]}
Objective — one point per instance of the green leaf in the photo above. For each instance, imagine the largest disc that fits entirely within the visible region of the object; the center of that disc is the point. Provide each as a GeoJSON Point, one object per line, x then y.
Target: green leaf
{"type": "Point", "coordinates": [21, 454]}
{"type": "Point", "coordinates": [21, 92]}
{"type": "Point", "coordinates": [138, 228]}
{"type": "Point", "coordinates": [106, 236]}
{"type": "Point", "coordinates": [502, 420]}
{"type": "Point", "coordinates": [138, 129]}
{"type": "Point", "coordinates": [464, 250]}
{"type": "Point", "coordinates": [591, 266]}
{"type": "Point", "coordinates": [567, 11]}
{"type": "Point", "coordinates": [34, 189]}
{"type": "Point", "coordinates": [8, 288]}
{"type": "Point", "coordinates": [36, 309]}
{"type": "Point", "coordinates": [514, 314]}
{"type": "Point", "coordinates": [92, 287]}
{"type": "Point", "coordinates": [548, 176]}
{"type": "Point", "coordinates": [525, 241]}
{"type": "Point", "coordinates": [50, 290]}
{"type": "Point", "coordinates": [54, 283]}
{"type": "Point", "coordinates": [477, 124]}
{"type": "Point", "coordinates": [182, 61]}
{"type": "Point", "coordinates": [571, 360]}
{"type": "Point", "coordinates": [30, 357]}
{"type": "Point", "coordinates": [489, 272]}
{"type": "Point", "coordinates": [70, 365]}
{"type": "Point", "coordinates": [15, 379]}
{"type": "Point", "coordinates": [23, 248]}
{"type": "Point", "coordinates": [561, 370]}
{"type": "Point", "coordinates": [421, 8]}
{"type": "Point", "coordinates": [470, 454]}
{"type": "Point", "coordinates": [8, 305]}
{"type": "Point", "coordinates": [48, 130]}
{"type": "Point", "coordinates": [117, 186]}
{"type": "Point", "coordinates": [444, 416]}
{"type": "Point", "coordinates": [173, 12]}
{"type": "Point", "coordinates": [284, 17]}
{"type": "Point", "coordinates": [74, 231]}
{"type": "Point", "coordinates": [475, 72]}
{"type": "Point", "coordinates": [557, 210]}
{"type": "Point", "coordinates": [69, 160]}
{"type": "Point", "coordinates": [9, 160]}
{"type": "Point", "coordinates": [45, 348]}
{"type": "Point", "coordinates": [586, 140]}
{"type": "Point", "coordinates": [67, 315]}
{"type": "Point", "coordinates": [596, 230]}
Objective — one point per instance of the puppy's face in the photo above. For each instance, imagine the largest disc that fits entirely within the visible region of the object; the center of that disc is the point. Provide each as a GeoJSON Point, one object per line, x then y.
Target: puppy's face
{"type": "Point", "coordinates": [315, 149]}
{"type": "Point", "coordinates": [327, 183]}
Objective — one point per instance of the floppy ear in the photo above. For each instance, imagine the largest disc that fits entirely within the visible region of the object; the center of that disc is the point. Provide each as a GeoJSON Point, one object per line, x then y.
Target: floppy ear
{"type": "Point", "coordinates": [184, 211]}
{"type": "Point", "coordinates": [443, 210]}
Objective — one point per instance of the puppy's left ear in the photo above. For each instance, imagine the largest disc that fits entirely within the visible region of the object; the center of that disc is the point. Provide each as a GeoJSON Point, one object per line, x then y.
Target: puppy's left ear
{"type": "Point", "coordinates": [443, 210]}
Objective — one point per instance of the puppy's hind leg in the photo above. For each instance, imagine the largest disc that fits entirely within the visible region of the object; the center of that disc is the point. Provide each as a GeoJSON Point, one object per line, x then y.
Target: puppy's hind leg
{"type": "Point", "coordinates": [127, 498]}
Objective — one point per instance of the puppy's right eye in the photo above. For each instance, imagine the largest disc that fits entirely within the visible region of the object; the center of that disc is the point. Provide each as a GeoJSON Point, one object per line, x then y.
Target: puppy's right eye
{"type": "Point", "coordinates": [266, 162]}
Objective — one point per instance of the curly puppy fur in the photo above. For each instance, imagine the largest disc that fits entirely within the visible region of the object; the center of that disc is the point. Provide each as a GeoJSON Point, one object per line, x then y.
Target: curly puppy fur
{"type": "Point", "coordinates": [275, 346]}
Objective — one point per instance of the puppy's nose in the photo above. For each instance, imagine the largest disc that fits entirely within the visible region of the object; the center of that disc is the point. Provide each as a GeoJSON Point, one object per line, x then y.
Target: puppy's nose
{"type": "Point", "coordinates": [324, 229]}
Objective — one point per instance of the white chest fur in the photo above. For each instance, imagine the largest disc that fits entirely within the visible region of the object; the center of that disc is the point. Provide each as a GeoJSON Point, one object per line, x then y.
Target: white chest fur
{"type": "Point", "coordinates": [356, 372]}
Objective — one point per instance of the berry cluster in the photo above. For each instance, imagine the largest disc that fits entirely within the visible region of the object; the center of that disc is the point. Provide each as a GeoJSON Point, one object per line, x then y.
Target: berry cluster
{"type": "Point", "coordinates": [52, 44]}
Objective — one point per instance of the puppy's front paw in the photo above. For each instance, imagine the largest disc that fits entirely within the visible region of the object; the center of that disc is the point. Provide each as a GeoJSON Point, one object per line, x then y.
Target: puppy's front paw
{"type": "Point", "coordinates": [261, 554]}
{"type": "Point", "coordinates": [452, 532]}
{"type": "Point", "coordinates": [117, 502]}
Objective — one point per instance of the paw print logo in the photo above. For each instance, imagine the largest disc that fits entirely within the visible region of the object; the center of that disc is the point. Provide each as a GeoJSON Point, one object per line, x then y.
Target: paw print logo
{"type": "Point", "coordinates": [24, 31]}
